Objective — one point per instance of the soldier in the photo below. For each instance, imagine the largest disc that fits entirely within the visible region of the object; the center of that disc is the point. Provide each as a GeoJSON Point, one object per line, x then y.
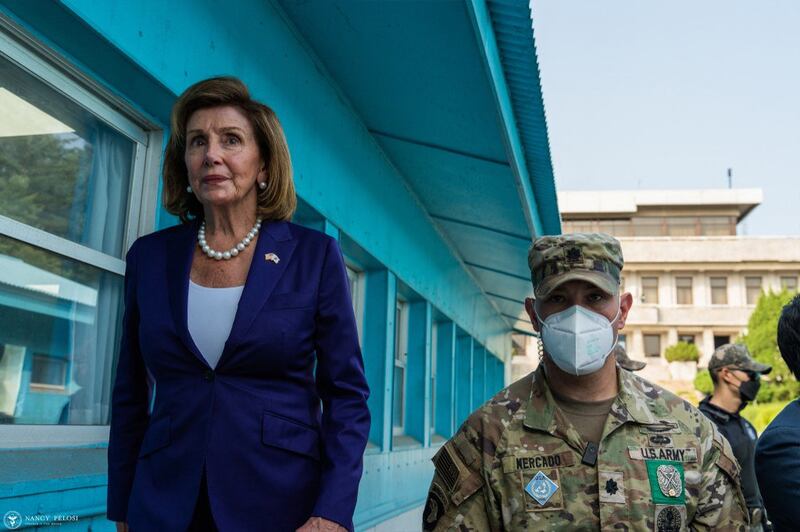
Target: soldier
{"type": "Point", "coordinates": [624, 361]}
{"type": "Point", "coordinates": [736, 378]}
{"type": "Point", "coordinates": [578, 445]}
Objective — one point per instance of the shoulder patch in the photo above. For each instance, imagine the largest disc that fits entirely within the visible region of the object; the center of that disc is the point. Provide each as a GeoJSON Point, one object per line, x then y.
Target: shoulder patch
{"type": "Point", "coordinates": [447, 468]}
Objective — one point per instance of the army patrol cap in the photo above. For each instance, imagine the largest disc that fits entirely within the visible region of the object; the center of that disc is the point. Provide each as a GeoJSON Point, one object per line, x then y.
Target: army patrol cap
{"type": "Point", "coordinates": [624, 361]}
{"type": "Point", "coordinates": [737, 356]}
{"type": "Point", "coordinates": [592, 257]}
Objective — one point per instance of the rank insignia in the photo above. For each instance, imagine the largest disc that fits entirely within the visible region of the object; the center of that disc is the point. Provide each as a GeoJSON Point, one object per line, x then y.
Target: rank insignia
{"type": "Point", "coordinates": [541, 488]}
{"type": "Point", "coordinates": [574, 254]}
{"type": "Point", "coordinates": [612, 487]}
{"type": "Point", "coordinates": [666, 481]}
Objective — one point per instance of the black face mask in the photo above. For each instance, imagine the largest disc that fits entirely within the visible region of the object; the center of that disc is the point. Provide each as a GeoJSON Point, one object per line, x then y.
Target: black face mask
{"type": "Point", "coordinates": [748, 390]}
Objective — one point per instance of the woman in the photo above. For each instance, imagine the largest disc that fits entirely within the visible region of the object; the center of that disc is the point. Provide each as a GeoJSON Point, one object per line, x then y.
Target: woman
{"type": "Point", "coordinates": [241, 325]}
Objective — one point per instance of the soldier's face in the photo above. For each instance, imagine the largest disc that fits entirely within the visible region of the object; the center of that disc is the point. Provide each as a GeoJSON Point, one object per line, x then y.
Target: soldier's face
{"type": "Point", "coordinates": [580, 293]}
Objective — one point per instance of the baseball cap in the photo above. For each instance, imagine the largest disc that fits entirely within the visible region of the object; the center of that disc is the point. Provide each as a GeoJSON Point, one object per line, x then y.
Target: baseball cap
{"type": "Point", "coordinates": [592, 257]}
{"type": "Point", "coordinates": [738, 356]}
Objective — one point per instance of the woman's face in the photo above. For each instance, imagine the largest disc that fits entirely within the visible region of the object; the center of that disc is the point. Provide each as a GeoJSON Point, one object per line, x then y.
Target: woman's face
{"type": "Point", "coordinates": [222, 157]}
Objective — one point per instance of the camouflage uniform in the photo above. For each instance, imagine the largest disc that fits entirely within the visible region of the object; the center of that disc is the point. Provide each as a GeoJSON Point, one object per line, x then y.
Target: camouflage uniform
{"type": "Point", "coordinates": [518, 463]}
{"type": "Point", "coordinates": [625, 362]}
{"type": "Point", "coordinates": [483, 472]}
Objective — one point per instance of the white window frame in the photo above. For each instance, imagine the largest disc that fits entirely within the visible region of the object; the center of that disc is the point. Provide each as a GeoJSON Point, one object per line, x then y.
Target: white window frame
{"type": "Point", "coordinates": [747, 288]}
{"type": "Point", "coordinates": [355, 279]}
{"type": "Point", "coordinates": [711, 288]}
{"type": "Point", "coordinates": [657, 288]}
{"type": "Point", "coordinates": [401, 360]}
{"type": "Point", "coordinates": [32, 56]}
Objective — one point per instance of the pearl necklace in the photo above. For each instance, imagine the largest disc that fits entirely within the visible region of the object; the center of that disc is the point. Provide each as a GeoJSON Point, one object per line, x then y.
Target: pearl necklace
{"type": "Point", "coordinates": [235, 250]}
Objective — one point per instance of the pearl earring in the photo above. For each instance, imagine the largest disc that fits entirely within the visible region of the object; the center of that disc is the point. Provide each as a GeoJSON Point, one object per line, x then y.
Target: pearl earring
{"type": "Point", "coordinates": [189, 189]}
{"type": "Point", "coordinates": [262, 185]}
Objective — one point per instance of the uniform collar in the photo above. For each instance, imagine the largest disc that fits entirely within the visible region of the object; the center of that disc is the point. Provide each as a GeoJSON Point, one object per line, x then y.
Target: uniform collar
{"type": "Point", "coordinates": [713, 410]}
{"type": "Point", "coordinates": [636, 403]}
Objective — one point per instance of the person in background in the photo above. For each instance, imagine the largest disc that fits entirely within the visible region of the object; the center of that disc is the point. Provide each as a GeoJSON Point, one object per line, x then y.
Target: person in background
{"type": "Point", "coordinates": [624, 361]}
{"type": "Point", "coordinates": [737, 378]}
{"type": "Point", "coordinates": [580, 444]}
{"type": "Point", "coordinates": [778, 450]}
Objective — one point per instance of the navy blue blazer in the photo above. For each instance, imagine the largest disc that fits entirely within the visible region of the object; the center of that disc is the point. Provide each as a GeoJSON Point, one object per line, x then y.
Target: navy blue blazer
{"type": "Point", "coordinates": [778, 468]}
{"type": "Point", "coordinates": [280, 425]}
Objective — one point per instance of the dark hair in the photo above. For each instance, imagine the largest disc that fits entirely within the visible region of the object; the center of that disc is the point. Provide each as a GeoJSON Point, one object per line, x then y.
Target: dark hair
{"type": "Point", "coordinates": [278, 200]}
{"type": "Point", "coordinates": [714, 375]}
{"type": "Point", "coordinates": [789, 335]}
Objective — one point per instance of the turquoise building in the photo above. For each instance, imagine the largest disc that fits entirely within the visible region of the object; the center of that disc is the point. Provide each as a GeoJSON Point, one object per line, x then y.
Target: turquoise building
{"type": "Point", "coordinates": [418, 138]}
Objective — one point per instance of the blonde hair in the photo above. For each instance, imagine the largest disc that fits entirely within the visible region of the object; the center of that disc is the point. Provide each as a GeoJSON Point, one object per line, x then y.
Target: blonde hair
{"type": "Point", "coordinates": [278, 200]}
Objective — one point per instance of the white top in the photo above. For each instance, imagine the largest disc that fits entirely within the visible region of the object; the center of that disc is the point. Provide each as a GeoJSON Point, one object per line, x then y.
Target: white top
{"type": "Point", "coordinates": [211, 314]}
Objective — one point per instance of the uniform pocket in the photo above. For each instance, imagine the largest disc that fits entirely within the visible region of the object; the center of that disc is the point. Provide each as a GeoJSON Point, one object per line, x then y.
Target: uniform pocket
{"type": "Point", "coordinates": [289, 435]}
{"type": "Point", "coordinates": [156, 437]}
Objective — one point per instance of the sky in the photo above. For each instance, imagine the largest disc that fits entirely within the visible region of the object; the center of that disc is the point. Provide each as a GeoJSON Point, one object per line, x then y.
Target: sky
{"type": "Point", "coordinates": [659, 95]}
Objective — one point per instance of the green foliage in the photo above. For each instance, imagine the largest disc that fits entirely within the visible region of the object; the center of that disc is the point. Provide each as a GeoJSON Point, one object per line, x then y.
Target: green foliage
{"type": "Point", "coordinates": [761, 340]}
{"type": "Point", "coordinates": [682, 352]}
{"type": "Point", "coordinates": [43, 184]}
{"type": "Point", "coordinates": [762, 414]}
{"type": "Point", "coordinates": [702, 382]}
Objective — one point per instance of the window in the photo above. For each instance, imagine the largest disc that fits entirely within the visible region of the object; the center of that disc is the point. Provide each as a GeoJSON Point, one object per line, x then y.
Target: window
{"type": "Point", "coordinates": [720, 340]}
{"type": "Point", "coordinates": [789, 283]}
{"type": "Point", "coordinates": [355, 279]}
{"type": "Point", "coordinates": [682, 226]}
{"type": "Point", "coordinates": [753, 288]}
{"type": "Point", "coordinates": [615, 227]}
{"type": "Point", "coordinates": [72, 181]}
{"type": "Point", "coordinates": [648, 226]}
{"type": "Point", "coordinates": [719, 290]}
{"type": "Point", "coordinates": [49, 371]}
{"type": "Point", "coordinates": [400, 358]}
{"type": "Point", "coordinates": [652, 345]}
{"type": "Point", "coordinates": [717, 226]}
{"type": "Point", "coordinates": [650, 290]}
{"type": "Point", "coordinates": [687, 338]}
{"type": "Point", "coordinates": [683, 288]}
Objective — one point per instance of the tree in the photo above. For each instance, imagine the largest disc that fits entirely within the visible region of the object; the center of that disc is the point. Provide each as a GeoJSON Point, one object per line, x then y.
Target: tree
{"type": "Point", "coordinates": [682, 352]}
{"type": "Point", "coordinates": [761, 339]}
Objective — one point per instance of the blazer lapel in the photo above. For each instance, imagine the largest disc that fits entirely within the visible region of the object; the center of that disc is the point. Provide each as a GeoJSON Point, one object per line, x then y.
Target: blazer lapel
{"type": "Point", "coordinates": [274, 242]}
{"type": "Point", "coordinates": [179, 265]}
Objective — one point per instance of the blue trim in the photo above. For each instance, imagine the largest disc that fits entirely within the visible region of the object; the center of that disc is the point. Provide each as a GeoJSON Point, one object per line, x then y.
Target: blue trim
{"type": "Point", "coordinates": [517, 49]}
{"type": "Point", "coordinates": [445, 378]}
{"type": "Point", "coordinates": [378, 350]}
{"type": "Point", "coordinates": [418, 372]}
{"type": "Point", "coordinates": [505, 31]}
{"type": "Point", "coordinates": [464, 353]}
{"type": "Point", "coordinates": [484, 31]}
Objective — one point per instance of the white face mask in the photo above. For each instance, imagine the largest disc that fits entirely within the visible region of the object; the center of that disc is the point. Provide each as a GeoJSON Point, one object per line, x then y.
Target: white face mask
{"type": "Point", "coordinates": [578, 340]}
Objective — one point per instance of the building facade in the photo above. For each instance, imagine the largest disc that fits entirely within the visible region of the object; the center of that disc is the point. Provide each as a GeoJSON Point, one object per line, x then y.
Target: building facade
{"type": "Point", "coordinates": [401, 118]}
{"type": "Point", "coordinates": [692, 276]}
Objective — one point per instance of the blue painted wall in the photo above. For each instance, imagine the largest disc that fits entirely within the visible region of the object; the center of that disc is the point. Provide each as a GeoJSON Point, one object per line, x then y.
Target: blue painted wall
{"type": "Point", "coordinates": [148, 52]}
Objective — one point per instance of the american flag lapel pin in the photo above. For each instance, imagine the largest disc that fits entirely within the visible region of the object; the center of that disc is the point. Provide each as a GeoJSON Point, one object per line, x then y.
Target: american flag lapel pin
{"type": "Point", "coordinates": [271, 257]}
